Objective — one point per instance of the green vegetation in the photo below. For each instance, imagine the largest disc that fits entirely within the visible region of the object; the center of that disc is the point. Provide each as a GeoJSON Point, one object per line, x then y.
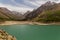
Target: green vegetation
{"type": "Point", "coordinates": [49, 16]}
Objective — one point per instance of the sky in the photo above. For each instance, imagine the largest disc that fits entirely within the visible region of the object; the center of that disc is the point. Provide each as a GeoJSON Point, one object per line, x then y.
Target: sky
{"type": "Point", "coordinates": [23, 5]}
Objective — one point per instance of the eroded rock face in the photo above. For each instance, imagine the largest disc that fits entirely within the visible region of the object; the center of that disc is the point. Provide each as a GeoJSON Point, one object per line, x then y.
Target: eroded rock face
{"type": "Point", "coordinates": [5, 36]}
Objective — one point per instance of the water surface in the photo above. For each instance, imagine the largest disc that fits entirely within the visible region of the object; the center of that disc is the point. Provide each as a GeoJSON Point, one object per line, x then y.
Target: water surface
{"type": "Point", "coordinates": [33, 32]}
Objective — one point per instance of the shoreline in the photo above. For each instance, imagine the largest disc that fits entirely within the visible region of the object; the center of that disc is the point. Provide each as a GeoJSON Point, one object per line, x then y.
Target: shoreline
{"type": "Point", "coordinates": [6, 36]}
{"type": "Point", "coordinates": [26, 22]}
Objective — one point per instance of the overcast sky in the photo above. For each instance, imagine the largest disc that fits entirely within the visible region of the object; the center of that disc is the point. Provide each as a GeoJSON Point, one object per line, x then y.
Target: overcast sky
{"type": "Point", "coordinates": [23, 5]}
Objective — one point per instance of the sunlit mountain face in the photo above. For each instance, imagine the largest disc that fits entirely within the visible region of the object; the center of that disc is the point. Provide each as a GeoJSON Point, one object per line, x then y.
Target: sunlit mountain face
{"type": "Point", "coordinates": [23, 5]}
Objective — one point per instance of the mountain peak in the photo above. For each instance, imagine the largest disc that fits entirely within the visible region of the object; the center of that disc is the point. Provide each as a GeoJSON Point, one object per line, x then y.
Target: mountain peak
{"type": "Point", "coordinates": [48, 3]}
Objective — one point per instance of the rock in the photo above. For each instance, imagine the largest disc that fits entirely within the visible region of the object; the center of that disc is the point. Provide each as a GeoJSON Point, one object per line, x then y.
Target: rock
{"type": "Point", "coordinates": [5, 36]}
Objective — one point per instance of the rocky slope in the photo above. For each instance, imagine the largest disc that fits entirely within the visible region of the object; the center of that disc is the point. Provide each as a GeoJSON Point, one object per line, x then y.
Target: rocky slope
{"type": "Point", "coordinates": [5, 36]}
{"type": "Point", "coordinates": [50, 11]}
{"type": "Point", "coordinates": [6, 14]}
{"type": "Point", "coordinates": [47, 6]}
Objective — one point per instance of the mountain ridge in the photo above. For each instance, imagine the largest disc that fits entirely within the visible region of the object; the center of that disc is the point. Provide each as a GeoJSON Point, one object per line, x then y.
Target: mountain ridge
{"type": "Point", "coordinates": [46, 12]}
{"type": "Point", "coordinates": [9, 15]}
{"type": "Point", "coordinates": [52, 6]}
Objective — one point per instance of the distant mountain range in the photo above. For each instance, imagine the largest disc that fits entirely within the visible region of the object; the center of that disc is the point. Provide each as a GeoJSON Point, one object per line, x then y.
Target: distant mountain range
{"type": "Point", "coordinates": [6, 14]}
{"type": "Point", "coordinates": [48, 12]}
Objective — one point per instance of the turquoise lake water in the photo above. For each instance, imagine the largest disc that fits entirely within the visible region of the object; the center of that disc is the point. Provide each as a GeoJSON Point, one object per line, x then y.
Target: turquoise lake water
{"type": "Point", "coordinates": [33, 32]}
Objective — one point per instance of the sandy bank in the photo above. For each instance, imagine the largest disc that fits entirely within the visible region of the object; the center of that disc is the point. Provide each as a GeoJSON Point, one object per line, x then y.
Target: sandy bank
{"type": "Point", "coordinates": [25, 22]}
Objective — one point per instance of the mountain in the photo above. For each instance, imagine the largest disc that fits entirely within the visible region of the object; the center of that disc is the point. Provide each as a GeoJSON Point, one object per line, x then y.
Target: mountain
{"type": "Point", "coordinates": [26, 14]}
{"type": "Point", "coordinates": [6, 14]}
{"type": "Point", "coordinates": [17, 15]}
{"type": "Point", "coordinates": [44, 12]}
{"type": "Point", "coordinates": [47, 6]}
{"type": "Point", "coordinates": [48, 12]}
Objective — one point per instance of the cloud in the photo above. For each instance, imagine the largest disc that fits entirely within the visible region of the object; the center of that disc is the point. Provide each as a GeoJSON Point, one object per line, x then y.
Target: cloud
{"type": "Point", "coordinates": [31, 3]}
{"type": "Point", "coordinates": [28, 3]}
{"type": "Point", "coordinates": [25, 5]}
{"type": "Point", "coordinates": [18, 4]}
{"type": "Point", "coordinates": [15, 8]}
{"type": "Point", "coordinates": [36, 3]}
{"type": "Point", "coordinates": [43, 0]}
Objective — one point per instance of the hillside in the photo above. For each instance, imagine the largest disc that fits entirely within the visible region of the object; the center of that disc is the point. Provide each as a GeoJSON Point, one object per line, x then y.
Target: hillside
{"type": "Point", "coordinates": [48, 12]}
{"type": "Point", "coordinates": [6, 14]}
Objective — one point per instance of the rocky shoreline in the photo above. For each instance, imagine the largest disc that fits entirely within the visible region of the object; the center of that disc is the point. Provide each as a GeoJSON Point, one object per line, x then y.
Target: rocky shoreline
{"type": "Point", "coordinates": [5, 36]}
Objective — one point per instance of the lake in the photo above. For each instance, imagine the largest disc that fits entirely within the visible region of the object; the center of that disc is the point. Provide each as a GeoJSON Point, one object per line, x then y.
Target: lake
{"type": "Point", "coordinates": [33, 32]}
